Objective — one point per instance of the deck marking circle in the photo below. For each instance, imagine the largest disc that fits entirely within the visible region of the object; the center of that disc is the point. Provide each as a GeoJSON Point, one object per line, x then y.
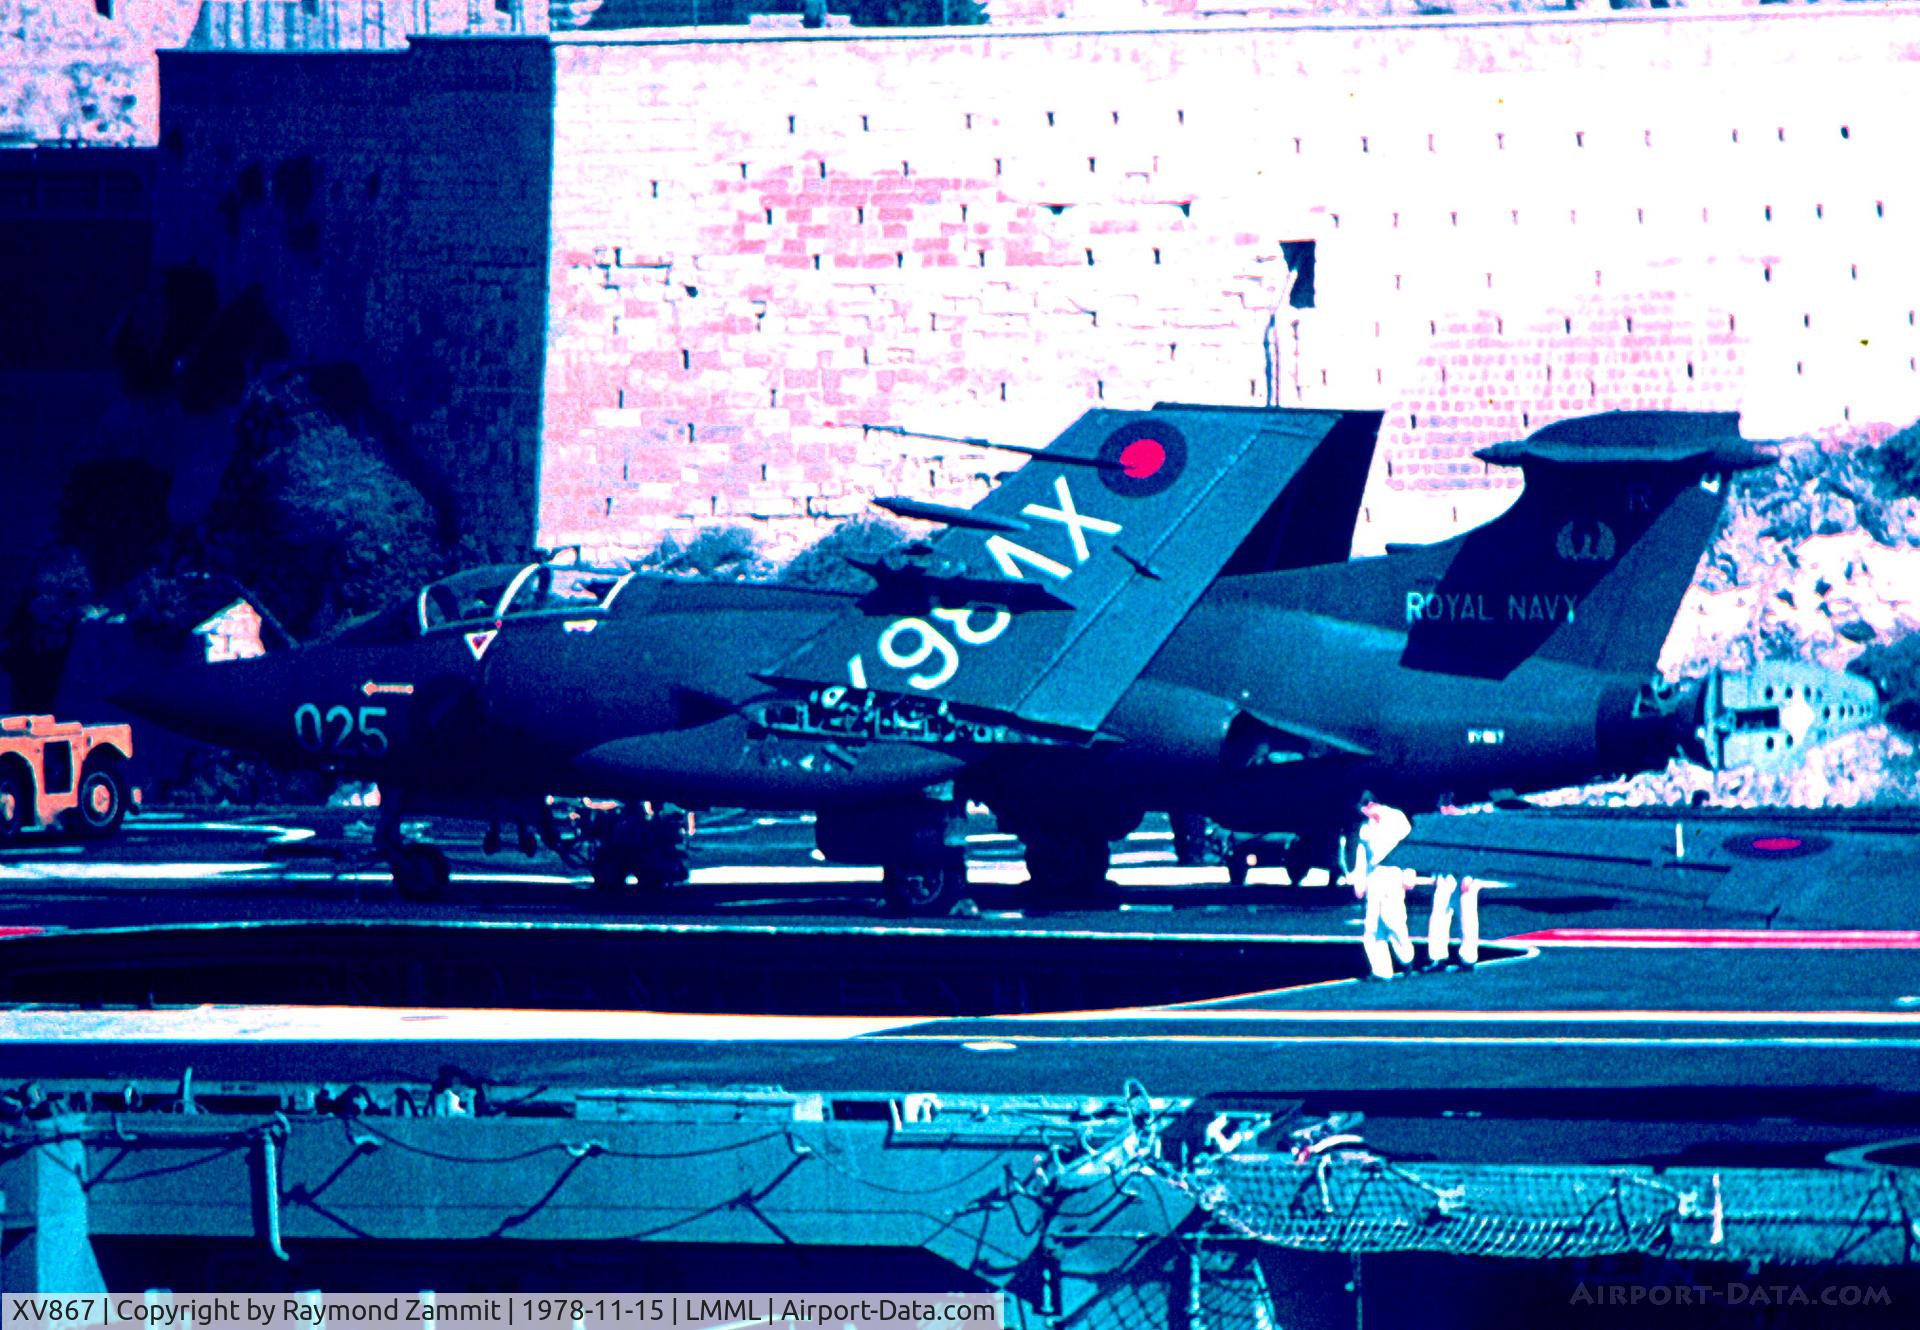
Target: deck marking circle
{"type": "Point", "coordinates": [1776, 845]}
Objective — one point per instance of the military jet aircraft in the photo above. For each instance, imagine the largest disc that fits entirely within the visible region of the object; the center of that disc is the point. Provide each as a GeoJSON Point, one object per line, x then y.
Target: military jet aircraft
{"type": "Point", "coordinates": [1157, 611]}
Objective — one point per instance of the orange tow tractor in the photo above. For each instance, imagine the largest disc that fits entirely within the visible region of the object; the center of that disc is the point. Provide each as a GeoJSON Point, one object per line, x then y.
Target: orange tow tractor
{"type": "Point", "coordinates": [62, 770]}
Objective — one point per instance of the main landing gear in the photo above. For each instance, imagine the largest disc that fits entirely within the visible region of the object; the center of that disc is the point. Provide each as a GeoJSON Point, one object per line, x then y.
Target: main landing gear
{"type": "Point", "coordinates": [626, 847]}
{"type": "Point", "coordinates": [637, 847]}
{"type": "Point", "coordinates": [1199, 842]}
{"type": "Point", "coordinates": [921, 846]}
{"type": "Point", "coordinates": [1316, 848]}
{"type": "Point", "coordinates": [1068, 867]}
{"type": "Point", "coordinates": [1068, 857]}
{"type": "Point", "coordinates": [931, 883]}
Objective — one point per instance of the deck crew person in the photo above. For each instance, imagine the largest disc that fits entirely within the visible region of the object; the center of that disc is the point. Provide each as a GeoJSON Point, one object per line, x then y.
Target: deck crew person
{"type": "Point", "coordinates": [1440, 923]}
{"type": "Point", "coordinates": [1383, 931]}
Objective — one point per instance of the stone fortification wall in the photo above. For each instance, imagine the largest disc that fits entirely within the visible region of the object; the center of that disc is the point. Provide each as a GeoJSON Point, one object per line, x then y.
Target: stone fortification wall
{"type": "Point", "coordinates": [759, 243]}
{"type": "Point", "coordinates": [71, 75]}
{"type": "Point", "coordinates": [386, 209]}
{"type": "Point", "coordinates": [87, 71]}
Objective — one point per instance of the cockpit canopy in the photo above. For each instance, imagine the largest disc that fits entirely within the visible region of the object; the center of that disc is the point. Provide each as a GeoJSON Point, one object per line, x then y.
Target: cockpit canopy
{"type": "Point", "coordinates": [503, 591]}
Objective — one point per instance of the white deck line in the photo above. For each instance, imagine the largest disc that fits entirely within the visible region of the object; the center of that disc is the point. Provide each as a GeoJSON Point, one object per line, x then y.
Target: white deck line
{"type": "Point", "coordinates": [215, 1024]}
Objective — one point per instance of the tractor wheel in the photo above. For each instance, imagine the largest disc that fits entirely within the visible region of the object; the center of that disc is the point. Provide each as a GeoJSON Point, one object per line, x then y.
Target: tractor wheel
{"type": "Point", "coordinates": [16, 801]}
{"type": "Point", "coordinates": [103, 798]}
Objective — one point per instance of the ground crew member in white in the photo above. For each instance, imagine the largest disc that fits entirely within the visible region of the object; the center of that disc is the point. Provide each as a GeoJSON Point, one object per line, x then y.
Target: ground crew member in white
{"type": "Point", "coordinates": [1383, 931]}
{"type": "Point", "coordinates": [1440, 925]}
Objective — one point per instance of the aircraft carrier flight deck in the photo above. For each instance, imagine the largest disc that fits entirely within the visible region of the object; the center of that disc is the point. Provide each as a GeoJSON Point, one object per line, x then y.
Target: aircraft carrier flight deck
{"type": "Point", "coordinates": [1692, 1037]}
{"type": "Point", "coordinates": [1611, 962]}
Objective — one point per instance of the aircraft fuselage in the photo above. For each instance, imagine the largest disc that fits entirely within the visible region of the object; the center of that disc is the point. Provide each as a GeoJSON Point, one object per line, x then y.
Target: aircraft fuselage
{"type": "Point", "coordinates": [656, 701]}
{"type": "Point", "coordinates": [1156, 613]}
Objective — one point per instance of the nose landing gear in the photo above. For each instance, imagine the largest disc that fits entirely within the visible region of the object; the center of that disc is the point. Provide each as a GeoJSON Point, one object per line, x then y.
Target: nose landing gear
{"type": "Point", "coordinates": [420, 871]}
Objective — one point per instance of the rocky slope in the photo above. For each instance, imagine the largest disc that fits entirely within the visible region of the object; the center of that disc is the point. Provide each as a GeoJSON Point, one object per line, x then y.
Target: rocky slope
{"type": "Point", "coordinates": [1817, 559]}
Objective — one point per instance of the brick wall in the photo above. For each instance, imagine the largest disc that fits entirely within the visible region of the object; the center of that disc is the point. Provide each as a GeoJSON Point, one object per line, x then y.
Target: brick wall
{"type": "Point", "coordinates": [391, 209]}
{"type": "Point", "coordinates": [759, 243]}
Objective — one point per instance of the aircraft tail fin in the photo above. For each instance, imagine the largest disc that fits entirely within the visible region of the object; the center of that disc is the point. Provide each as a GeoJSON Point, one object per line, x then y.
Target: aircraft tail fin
{"type": "Point", "coordinates": [1313, 519]}
{"type": "Point", "coordinates": [1046, 599]}
{"type": "Point", "coordinates": [1590, 563]}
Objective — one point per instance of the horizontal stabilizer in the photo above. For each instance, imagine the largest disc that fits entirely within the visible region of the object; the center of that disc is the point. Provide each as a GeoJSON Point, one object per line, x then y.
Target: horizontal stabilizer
{"type": "Point", "coordinates": [1589, 564]}
{"type": "Point", "coordinates": [1586, 568]}
{"type": "Point", "coordinates": [1706, 440]}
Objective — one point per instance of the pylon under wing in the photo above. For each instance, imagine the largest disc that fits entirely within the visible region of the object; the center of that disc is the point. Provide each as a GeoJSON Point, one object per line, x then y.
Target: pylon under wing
{"type": "Point", "coordinates": [1049, 602]}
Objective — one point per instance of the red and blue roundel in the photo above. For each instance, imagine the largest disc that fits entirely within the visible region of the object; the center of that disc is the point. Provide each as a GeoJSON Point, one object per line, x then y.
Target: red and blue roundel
{"type": "Point", "coordinates": [1144, 458]}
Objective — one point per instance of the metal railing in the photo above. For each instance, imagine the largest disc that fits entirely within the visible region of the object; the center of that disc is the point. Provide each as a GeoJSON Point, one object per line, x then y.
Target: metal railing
{"type": "Point", "coordinates": [343, 25]}
{"type": "Point", "coordinates": [294, 25]}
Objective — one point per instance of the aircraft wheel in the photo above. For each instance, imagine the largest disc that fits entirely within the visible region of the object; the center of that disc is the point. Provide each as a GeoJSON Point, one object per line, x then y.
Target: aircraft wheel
{"type": "Point", "coordinates": [1070, 867]}
{"type": "Point", "coordinates": [1194, 843]}
{"type": "Point", "coordinates": [1238, 862]}
{"type": "Point", "coordinates": [1198, 842]}
{"type": "Point", "coordinates": [14, 801]}
{"type": "Point", "coordinates": [642, 869]}
{"type": "Point", "coordinates": [610, 870]}
{"type": "Point", "coordinates": [1311, 850]}
{"type": "Point", "coordinates": [103, 799]}
{"type": "Point", "coordinates": [926, 887]}
{"type": "Point", "coordinates": [617, 871]}
{"type": "Point", "coordinates": [420, 872]}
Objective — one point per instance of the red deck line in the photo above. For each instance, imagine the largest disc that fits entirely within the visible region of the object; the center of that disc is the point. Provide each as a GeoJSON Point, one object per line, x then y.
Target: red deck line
{"type": "Point", "coordinates": [1831, 939]}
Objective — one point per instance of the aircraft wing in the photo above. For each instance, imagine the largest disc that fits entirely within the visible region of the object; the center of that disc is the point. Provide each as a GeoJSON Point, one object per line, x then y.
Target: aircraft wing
{"type": "Point", "coordinates": [1123, 522]}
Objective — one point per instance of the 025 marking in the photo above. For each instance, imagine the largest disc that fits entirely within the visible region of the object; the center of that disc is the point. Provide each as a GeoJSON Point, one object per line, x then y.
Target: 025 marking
{"type": "Point", "coordinates": [339, 729]}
